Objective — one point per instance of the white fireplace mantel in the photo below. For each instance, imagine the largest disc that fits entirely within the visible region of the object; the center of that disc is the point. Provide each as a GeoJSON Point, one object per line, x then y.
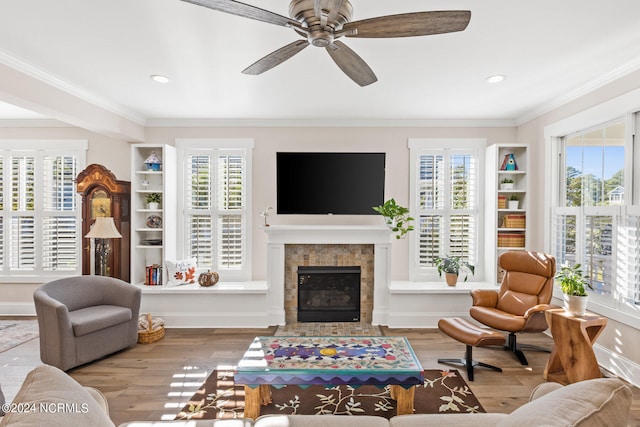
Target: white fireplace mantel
{"type": "Point", "coordinates": [280, 235]}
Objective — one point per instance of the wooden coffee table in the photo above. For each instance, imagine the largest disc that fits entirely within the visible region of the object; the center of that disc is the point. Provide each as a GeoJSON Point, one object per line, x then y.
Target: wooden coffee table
{"type": "Point", "coordinates": [305, 361]}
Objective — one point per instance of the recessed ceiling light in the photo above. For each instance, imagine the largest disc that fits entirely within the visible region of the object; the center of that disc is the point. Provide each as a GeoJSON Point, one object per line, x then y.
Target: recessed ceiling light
{"type": "Point", "coordinates": [158, 78]}
{"type": "Point", "coordinates": [496, 78]}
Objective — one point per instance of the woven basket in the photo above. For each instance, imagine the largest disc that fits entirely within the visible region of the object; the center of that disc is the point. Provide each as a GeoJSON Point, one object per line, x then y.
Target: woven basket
{"type": "Point", "coordinates": [508, 240]}
{"type": "Point", "coordinates": [514, 221]}
{"type": "Point", "coordinates": [150, 335]}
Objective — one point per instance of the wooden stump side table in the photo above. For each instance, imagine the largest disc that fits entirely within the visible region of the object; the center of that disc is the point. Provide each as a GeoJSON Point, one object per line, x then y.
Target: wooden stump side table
{"type": "Point", "coordinates": [572, 358]}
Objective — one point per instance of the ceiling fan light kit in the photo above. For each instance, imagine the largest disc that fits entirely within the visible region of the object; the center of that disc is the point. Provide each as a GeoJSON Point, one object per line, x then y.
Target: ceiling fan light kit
{"type": "Point", "coordinates": [322, 22]}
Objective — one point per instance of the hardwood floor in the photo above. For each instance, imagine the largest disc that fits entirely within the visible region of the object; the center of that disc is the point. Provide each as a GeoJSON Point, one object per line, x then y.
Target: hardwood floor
{"type": "Point", "coordinates": [151, 381]}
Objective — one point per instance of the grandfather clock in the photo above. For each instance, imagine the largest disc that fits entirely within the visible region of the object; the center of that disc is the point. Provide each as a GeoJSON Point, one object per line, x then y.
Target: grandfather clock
{"type": "Point", "coordinates": [103, 195]}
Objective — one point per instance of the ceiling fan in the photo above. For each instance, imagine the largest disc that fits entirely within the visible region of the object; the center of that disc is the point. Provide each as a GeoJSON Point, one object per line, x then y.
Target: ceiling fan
{"type": "Point", "coordinates": [323, 22]}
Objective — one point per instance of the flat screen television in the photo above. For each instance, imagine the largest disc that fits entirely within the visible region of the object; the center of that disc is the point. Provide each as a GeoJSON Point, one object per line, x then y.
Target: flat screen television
{"type": "Point", "coordinates": [329, 183]}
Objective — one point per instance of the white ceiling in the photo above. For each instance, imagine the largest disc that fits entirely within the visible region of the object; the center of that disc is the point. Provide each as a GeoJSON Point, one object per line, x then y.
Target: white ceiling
{"type": "Point", "coordinates": [104, 51]}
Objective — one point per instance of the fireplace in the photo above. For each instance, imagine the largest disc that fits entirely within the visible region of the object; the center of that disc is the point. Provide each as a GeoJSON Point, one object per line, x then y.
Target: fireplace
{"type": "Point", "coordinates": [328, 294]}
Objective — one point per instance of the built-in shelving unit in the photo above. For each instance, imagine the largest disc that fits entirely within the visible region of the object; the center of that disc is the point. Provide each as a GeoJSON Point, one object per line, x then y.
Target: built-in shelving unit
{"type": "Point", "coordinates": [153, 238]}
{"type": "Point", "coordinates": [507, 167]}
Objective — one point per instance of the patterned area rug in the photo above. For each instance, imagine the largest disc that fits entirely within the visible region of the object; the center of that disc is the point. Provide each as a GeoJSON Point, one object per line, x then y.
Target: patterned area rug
{"type": "Point", "coordinates": [442, 392]}
{"type": "Point", "coordinates": [16, 332]}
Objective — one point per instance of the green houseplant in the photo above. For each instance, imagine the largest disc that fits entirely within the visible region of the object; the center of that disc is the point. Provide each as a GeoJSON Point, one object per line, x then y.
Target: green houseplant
{"type": "Point", "coordinates": [574, 284]}
{"type": "Point", "coordinates": [396, 217]}
{"type": "Point", "coordinates": [452, 266]}
{"type": "Point", "coordinates": [506, 184]}
{"type": "Point", "coordinates": [153, 200]}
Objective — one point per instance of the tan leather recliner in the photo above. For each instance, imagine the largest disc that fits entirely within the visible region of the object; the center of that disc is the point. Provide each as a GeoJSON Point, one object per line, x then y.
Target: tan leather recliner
{"type": "Point", "coordinates": [523, 297]}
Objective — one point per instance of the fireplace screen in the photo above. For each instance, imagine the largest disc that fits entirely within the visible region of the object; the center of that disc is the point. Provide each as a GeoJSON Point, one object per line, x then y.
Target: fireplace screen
{"type": "Point", "coordinates": [329, 294]}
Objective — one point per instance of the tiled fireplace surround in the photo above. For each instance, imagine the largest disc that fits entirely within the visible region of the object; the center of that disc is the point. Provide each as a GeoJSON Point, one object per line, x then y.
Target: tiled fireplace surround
{"type": "Point", "coordinates": [293, 246]}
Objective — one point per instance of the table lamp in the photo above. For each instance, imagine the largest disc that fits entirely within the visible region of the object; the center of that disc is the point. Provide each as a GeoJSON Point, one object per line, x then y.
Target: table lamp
{"type": "Point", "coordinates": [103, 230]}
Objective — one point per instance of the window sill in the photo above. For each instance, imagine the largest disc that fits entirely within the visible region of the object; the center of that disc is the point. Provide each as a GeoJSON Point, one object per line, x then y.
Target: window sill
{"type": "Point", "coordinates": [253, 287]}
{"type": "Point", "coordinates": [407, 287]}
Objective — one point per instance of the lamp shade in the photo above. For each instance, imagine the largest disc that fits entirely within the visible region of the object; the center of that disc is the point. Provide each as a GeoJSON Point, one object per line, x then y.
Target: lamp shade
{"type": "Point", "coordinates": [104, 228]}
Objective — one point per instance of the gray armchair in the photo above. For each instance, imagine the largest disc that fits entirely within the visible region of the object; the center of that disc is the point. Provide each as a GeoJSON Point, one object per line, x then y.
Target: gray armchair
{"type": "Point", "coordinates": [84, 318]}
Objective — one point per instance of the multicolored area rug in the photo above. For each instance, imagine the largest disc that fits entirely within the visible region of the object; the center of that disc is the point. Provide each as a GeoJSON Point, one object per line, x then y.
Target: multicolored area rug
{"type": "Point", "coordinates": [442, 392]}
{"type": "Point", "coordinates": [16, 332]}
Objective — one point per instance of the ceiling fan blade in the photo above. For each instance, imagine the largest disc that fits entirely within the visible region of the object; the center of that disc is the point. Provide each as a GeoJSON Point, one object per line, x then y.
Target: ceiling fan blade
{"type": "Point", "coordinates": [275, 58]}
{"type": "Point", "coordinates": [246, 11]}
{"type": "Point", "coordinates": [351, 64]}
{"type": "Point", "coordinates": [409, 24]}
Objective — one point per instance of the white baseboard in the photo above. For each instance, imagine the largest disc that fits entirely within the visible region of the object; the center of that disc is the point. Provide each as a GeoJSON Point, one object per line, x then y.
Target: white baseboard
{"type": "Point", "coordinates": [17, 309]}
{"type": "Point", "coordinates": [617, 365]}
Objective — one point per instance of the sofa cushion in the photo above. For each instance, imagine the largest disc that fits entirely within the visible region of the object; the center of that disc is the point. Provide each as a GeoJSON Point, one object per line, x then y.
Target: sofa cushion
{"type": "Point", "coordinates": [238, 422]}
{"type": "Point", "coordinates": [320, 421]}
{"type": "Point", "coordinates": [91, 319]}
{"type": "Point", "coordinates": [49, 397]}
{"type": "Point", "coordinates": [598, 402]}
{"type": "Point", "coordinates": [447, 420]}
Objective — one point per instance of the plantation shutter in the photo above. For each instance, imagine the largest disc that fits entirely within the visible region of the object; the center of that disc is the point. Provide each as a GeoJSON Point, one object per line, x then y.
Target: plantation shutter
{"type": "Point", "coordinates": [59, 224]}
{"type": "Point", "coordinates": [447, 202]}
{"type": "Point", "coordinates": [22, 228]}
{"type": "Point", "coordinates": [231, 205]}
{"type": "Point", "coordinates": [215, 204]}
{"type": "Point", "coordinates": [199, 208]}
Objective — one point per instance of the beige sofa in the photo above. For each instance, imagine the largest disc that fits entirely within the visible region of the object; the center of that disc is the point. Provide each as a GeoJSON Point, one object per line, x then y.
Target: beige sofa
{"type": "Point", "coordinates": [49, 397]}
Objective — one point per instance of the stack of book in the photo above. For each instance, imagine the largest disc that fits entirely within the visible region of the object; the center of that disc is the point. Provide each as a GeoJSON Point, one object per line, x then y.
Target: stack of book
{"type": "Point", "coordinates": [153, 275]}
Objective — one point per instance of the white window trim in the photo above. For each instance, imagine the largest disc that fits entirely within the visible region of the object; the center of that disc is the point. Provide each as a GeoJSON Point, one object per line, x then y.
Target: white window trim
{"type": "Point", "coordinates": [417, 146]}
{"type": "Point", "coordinates": [77, 147]}
{"type": "Point", "coordinates": [217, 145]}
{"type": "Point", "coordinates": [621, 106]}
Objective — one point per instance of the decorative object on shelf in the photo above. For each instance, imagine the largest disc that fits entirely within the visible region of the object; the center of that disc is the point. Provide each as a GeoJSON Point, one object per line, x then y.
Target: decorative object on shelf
{"type": "Point", "coordinates": [209, 278]}
{"type": "Point", "coordinates": [103, 230]}
{"type": "Point", "coordinates": [502, 201]}
{"type": "Point", "coordinates": [153, 201]}
{"type": "Point", "coordinates": [265, 214]}
{"type": "Point", "coordinates": [451, 266]}
{"type": "Point", "coordinates": [506, 184]}
{"type": "Point", "coordinates": [514, 221]}
{"type": "Point", "coordinates": [181, 272]}
{"type": "Point", "coordinates": [153, 221]}
{"type": "Point", "coordinates": [573, 283]}
{"type": "Point", "coordinates": [153, 162]}
{"type": "Point", "coordinates": [152, 242]}
{"type": "Point", "coordinates": [513, 201]}
{"type": "Point", "coordinates": [511, 240]}
{"type": "Point", "coordinates": [396, 217]}
{"type": "Point", "coordinates": [509, 163]}
{"type": "Point", "coordinates": [144, 183]}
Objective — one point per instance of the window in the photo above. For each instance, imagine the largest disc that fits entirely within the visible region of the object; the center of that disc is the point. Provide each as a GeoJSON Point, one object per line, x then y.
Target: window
{"type": "Point", "coordinates": [445, 197]}
{"type": "Point", "coordinates": [40, 216]}
{"type": "Point", "coordinates": [595, 221]}
{"type": "Point", "coordinates": [215, 201]}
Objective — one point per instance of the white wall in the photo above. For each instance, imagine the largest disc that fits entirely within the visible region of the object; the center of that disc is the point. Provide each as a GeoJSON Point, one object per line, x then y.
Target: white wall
{"type": "Point", "coordinates": [269, 140]}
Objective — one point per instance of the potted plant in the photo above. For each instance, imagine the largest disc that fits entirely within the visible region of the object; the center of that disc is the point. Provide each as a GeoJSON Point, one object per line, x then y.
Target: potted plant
{"type": "Point", "coordinates": [573, 284]}
{"type": "Point", "coordinates": [396, 217]}
{"type": "Point", "coordinates": [153, 200]}
{"type": "Point", "coordinates": [506, 184]}
{"type": "Point", "coordinates": [513, 201]}
{"type": "Point", "coordinates": [451, 266]}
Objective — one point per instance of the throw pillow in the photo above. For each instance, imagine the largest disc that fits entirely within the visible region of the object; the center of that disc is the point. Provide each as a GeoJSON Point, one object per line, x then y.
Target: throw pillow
{"type": "Point", "coordinates": [181, 272]}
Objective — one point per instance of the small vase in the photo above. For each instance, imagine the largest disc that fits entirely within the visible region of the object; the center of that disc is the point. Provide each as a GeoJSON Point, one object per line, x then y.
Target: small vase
{"type": "Point", "coordinates": [451, 278]}
{"type": "Point", "coordinates": [575, 305]}
{"type": "Point", "coordinates": [513, 204]}
{"type": "Point", "coordinates": [153, 206]}
{"type": "Point", "coordinates": [506, 186]}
